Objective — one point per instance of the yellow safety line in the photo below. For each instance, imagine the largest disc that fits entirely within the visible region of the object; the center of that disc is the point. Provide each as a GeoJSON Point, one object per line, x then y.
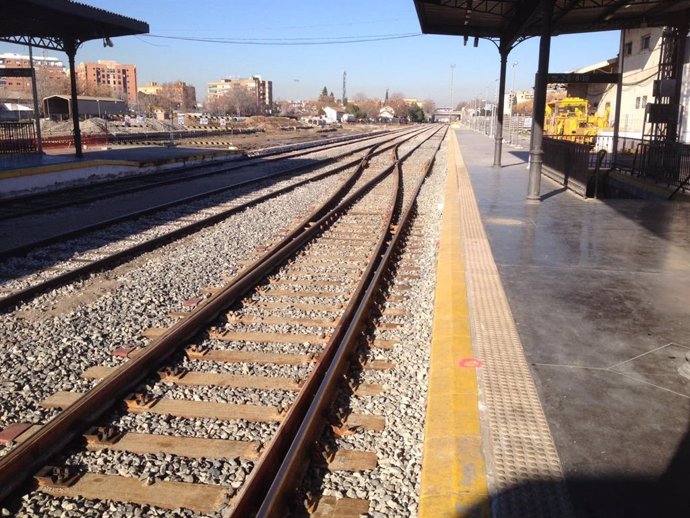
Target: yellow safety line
{"type": "Point", "coordinates": [454, 480]}
{"type": "Point", "coordinates": [64, 166]}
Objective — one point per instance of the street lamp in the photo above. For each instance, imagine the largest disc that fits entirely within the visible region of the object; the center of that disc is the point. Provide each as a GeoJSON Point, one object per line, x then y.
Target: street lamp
{"type": "Point", "coordinates": [452, 77]}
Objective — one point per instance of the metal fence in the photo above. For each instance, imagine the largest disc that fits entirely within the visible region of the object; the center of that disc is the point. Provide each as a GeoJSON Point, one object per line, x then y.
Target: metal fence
{"type": "Point", "coordinates": [568, 162]}
{"type": "Point", "coordinates": [664, 162]}
{"type": "Point", "coordinates": [17, 137]}
{"type": "Point", "coordinates": [516, 128]}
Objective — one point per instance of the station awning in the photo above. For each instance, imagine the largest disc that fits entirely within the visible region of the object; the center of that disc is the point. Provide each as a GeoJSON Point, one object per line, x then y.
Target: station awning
{"type": "Point", "coordinates": [49, 23]}
{"type": "Point", "coordinates": [513, 20]}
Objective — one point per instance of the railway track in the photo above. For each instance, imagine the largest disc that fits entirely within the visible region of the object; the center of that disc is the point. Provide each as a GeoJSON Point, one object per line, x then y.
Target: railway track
{"type": "Point", "coordinates": [286, 326]}
{"type": "Point", "coordinates": [82, 194]}
{"type": "Point", "coordinates": [33, 269]}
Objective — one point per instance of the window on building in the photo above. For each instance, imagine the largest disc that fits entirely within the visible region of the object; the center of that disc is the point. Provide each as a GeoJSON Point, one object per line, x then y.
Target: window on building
{"type": "Point", "coordinates": [628, 48]}
{"type": "Point", "coordinates": [645, 42]}
{"type": "Point", "coordinates": [644, 101]}
{"type": "Point", "coordinates": [637, 102]}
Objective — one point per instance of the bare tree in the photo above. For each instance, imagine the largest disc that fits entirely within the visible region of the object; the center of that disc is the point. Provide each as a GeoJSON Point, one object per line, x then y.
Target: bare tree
{"type": "Point", "coordinates": [242, 102]}
{"type": "Point", "coordinates": [429, 106]}
{"type": "Point", "coordinates": [397, 102]}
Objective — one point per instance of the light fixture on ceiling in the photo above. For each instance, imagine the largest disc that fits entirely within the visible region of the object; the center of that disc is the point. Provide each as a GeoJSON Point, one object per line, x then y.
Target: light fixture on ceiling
{"type": "Point", "coordinates": [107, 42]}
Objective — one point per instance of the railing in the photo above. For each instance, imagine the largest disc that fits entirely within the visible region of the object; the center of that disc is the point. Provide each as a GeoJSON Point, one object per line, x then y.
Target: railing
{"type": "Point", "coordinates": [665, 162]}
{"type": "Point", "coordinates": [567, 162]}
{"type": "Point", "coordinates": [17, 137]}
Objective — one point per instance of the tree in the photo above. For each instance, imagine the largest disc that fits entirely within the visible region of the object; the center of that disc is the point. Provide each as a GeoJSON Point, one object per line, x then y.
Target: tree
{"type": "Point", "coordinates": [370, 107]}
{"type": "Point", "coordinates": [416, 113]}
{"type": "Point", "coordinates": [94, 90]}
{"type": "Point", "coordinates": [356, 111]}
{"type": "Point", "coordinates": [429, 106]}
{"type": "Point", "coordinates": [397, 102]}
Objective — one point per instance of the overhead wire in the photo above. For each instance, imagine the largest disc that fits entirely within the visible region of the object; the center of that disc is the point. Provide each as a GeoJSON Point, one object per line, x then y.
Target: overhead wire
{"type": "Point", "coordinates": [337, 40]}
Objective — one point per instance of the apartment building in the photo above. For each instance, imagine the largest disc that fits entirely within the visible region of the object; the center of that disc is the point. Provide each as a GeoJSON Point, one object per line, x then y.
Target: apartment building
{"type": "Point", "coordinates": [641, 56]}
{"type": "Point", "coordinates": [47, 69]}
{"type": "Point", "coordinates": [120, 79]}
{"type": "Point", "coordinates": [259, 88]}
{"type": "Point", "coordinates": [179, 92]}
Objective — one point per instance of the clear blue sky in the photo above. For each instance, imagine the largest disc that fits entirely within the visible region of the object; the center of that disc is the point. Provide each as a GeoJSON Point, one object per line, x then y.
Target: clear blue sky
{"type": "Point", "coordinates": [417, 66]}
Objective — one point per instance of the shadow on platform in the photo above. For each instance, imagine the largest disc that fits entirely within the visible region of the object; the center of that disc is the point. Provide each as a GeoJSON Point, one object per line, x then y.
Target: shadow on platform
{"type": "Point", "coordinates": [622, 496]}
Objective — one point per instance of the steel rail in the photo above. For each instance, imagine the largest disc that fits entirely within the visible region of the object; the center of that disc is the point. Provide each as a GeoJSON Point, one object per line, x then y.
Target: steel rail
{"type": "Point", "coordinates": [274, 476]}
{"type": "Point", "coordinates": [145, 183]}
{"type": "Point", "coordinates": [23, 249]}
{"type": "Point", "coordinates": [19, 464]}
{"type": "Point", "coordinates": [295, 462]}
{"type": "Point", "coordinates": [25, 294]}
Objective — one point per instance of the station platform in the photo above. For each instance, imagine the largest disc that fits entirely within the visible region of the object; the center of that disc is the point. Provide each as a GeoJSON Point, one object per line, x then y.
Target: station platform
{"type": "Point", "coordinates": [560, 327]}
{"type": "Point", "coordinates": [19, 173]}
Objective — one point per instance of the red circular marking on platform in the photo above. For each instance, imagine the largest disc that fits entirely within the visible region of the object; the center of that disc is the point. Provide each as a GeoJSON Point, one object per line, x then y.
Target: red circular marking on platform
{"type": "Point", "coordinates": [470, 363]}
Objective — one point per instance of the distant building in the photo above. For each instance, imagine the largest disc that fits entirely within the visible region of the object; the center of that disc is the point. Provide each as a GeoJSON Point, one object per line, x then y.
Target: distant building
{"type": "Point", "coordinates": [47, 68]}
{"type": "Point", "coordinates": [641, 56]}
{"type": "Point", "coordinates": [121, 79]}
{"type": "Point", "coordinates": [179, 92]}
{"type": "Point", "coordinates": [413, 102]}
{"type": "Point", "coordinates": [60, 106]}
{"type": "Point", "coordinates": [387, 114]}
{"type": "Point", "coordinates": [259, 88]}
{"type": "Point", "coordinates": [333, 115]}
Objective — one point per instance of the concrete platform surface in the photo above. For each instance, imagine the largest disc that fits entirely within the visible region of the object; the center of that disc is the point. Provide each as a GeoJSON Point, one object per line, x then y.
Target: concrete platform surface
{"type": "Point", "coordinates": [598, 290]}
{"type": "Point", "coordinates": [139, 154]}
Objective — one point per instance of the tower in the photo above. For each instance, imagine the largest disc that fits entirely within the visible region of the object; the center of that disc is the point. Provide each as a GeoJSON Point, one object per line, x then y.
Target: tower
{"type": "Point", "coordinates": [344, 87]}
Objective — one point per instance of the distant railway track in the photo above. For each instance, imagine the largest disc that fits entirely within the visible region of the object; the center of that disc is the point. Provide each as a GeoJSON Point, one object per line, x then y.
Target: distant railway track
{"type": "Point", "coordinates": [181, 217]}
{"type": "Point", "coordinates": [82, 194]}
{"type": "Point", "coordinates": [297, 307]}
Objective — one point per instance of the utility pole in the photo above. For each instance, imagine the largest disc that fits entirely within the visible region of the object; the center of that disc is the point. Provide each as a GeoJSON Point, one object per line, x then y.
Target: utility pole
{"type": "Point", "coordinates": [344, 88]}
{"type": "Point", "coordinates": [512, 103]}
{"type": "Point", "coordinates": [452, 78]}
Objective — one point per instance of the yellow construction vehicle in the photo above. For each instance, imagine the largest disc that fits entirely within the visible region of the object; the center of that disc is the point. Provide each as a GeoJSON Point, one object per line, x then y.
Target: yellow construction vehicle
{"type": "Point", "coordinates": [571, 116]}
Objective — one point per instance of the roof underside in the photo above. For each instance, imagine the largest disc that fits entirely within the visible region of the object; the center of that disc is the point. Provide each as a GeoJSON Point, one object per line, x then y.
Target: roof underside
{"type": "Point", "coordinates": [51, 23]}
{"type": "Point", "coordinates": [513, 20]}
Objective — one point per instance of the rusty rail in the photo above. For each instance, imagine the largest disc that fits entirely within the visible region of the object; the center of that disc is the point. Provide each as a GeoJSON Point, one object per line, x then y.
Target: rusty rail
{"type": "Point", "coordinates": [270, 487]}
{"type": "Point", "coordinates": [19, 464]}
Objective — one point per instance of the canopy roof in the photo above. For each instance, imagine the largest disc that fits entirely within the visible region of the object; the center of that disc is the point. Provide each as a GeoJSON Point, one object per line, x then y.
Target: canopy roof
{"type": "Point", "coordinates": [51, 23]}
{"type": "Point", "coordinates": [514, 20]}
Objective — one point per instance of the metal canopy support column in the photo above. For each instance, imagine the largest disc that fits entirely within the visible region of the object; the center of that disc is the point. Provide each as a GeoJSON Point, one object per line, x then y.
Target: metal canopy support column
{"type": "Point", "coordinates": [498, 144]}
{"type": "Point", "coordinates": [674, 129]}
{"type": "Point", "coordinates": [34, 94]}
{"type": "Point", "coordinates": [619, 97]}
{"type": "Point", "coordinates": [71, 51]}
{"type": "Point", "coordinates": [536, 152]}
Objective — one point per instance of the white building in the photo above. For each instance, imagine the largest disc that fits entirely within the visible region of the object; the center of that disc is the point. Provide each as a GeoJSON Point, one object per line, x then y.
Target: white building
{"type": "Point", "coordinates": [387, 113]}
{"type": "Point", "coordinates": [641, 54]}
{"type": "Point", "coordinates": [333, 115]}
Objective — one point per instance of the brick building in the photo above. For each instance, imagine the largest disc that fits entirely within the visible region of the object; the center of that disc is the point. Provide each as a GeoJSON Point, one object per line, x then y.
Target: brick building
{"type": "Point", "coordinates": [47, 69]}
{"type": "Point", "coordinates": [120, 79]}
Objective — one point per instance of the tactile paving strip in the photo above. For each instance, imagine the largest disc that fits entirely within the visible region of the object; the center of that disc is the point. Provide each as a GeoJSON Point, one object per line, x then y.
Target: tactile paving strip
{"type": "Point", "coordinates": [525, 475]}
